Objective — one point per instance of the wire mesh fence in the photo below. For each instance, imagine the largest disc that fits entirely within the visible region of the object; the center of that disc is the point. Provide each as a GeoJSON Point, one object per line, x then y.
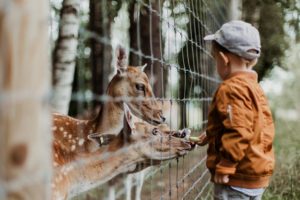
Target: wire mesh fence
{"type": "Point", "coordinates": [164, 34]}
{"type": "Point", "coordinates": [167, 35]}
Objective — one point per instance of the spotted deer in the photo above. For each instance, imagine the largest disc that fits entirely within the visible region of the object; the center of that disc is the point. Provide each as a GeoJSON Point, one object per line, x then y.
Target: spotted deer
{"type": "Point", "coordinates": [137, 142]}
{"type": "Point", "coordinates": [129, 82]}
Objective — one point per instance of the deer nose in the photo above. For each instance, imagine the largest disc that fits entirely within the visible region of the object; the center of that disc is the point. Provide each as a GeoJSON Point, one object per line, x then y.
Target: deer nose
{"type": "Point", "coordinates": [163, 119]}
{"type": "Point", "coordinates": [186, 133]}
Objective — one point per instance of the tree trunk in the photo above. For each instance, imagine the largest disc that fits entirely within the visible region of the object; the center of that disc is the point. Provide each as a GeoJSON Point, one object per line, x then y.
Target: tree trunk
{"type": "Point", "coordinates": [101, 16]}
{"type": "Point", "coordinates": [25, 150]}
{"type": "Point", "coordinates": [64, 56]}
{"type": "Point", "coordinates": [235, 9]}
{"type": "Point", "coordinates": [145, 36]}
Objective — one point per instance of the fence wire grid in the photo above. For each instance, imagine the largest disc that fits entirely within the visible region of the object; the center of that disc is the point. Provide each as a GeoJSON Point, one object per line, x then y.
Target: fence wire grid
{"type": "Point", "coordinates": [167, 35]}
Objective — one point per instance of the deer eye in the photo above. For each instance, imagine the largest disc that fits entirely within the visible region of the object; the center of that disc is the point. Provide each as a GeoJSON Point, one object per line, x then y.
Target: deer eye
{"type": "Point", "coordinates": [140, 87]}
{"type": "Point", "coordinates": [155, 131]}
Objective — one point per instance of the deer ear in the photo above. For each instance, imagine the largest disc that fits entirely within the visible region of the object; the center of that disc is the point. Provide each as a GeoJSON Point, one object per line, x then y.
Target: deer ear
{"type": "Point", "coordinates": [128, 120]}
{"type": "Point", "coordinates": [142, 68]}
{"type": "Point", "coordinates": [121, 60]}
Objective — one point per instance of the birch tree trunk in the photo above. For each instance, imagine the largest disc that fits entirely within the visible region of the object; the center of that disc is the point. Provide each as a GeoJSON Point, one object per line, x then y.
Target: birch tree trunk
{"type": "Point", "coordinates": [235, 11]}
{"type": "Point", "coordinates": [25, 146]}
{"type": "Point", "coordinates": [64, 56]}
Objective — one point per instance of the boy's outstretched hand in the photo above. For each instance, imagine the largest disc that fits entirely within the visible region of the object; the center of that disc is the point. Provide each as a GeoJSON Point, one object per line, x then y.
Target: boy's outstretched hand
{"type": "Point", "coordinates": [201, 140]}
{"type": "Point", "coordinates": [221, 178]}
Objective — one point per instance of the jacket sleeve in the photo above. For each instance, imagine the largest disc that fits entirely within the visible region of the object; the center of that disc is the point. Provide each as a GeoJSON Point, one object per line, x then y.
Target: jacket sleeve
{"type": "Point", "coordinates": [234, 106]}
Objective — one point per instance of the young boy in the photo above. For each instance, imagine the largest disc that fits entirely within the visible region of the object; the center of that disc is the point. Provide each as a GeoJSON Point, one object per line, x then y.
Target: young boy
{"type": "Point", "coordinates": [240, 128]}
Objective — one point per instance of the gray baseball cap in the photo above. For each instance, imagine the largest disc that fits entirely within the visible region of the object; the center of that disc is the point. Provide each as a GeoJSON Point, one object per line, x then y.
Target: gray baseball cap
{"type": "Point", "coordinates": [238, 37]}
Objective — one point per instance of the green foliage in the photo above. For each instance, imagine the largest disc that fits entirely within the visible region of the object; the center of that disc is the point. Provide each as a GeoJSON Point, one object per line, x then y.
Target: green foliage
{"type": "Point", "coordinates": [286, 179]}
{"type": "Point", "coordinates": [291, 10]}
{"type": "Point", "coordinates": [286, 109]}
{"type": "Point", "coordinates": [271, 17]}
{"type": "Point", "coordinates": [271, 24]}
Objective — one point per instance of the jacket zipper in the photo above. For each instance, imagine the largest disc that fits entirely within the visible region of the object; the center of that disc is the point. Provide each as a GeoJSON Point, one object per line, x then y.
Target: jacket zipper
{"type": "Point", "coordinates": [229, 112]}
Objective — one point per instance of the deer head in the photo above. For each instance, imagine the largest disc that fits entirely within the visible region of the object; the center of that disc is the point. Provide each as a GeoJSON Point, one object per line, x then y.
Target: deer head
{"type": "Point", "coordinates": [151, 142]}
{"type": "Point", "coordinates": [132, 82]}
{"type": "Point", "coordinates": [138, 142]}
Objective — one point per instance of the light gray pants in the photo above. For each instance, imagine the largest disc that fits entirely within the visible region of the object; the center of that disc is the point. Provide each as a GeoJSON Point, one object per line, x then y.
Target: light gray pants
{"type": "Point", "coordinates": [224, 192]}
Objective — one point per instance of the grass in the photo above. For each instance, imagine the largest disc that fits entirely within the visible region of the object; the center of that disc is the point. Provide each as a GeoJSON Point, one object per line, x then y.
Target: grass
{"type": "Point", "coordinates": [285, 183]}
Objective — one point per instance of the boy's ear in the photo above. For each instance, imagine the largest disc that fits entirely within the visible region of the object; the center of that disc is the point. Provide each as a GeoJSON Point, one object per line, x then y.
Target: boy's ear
{"type": "Point", "coordinates": [224, 57]}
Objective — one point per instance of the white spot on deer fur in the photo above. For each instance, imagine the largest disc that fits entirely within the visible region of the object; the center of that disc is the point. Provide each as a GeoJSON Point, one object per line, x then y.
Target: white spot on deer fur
{"type": "Point", "coordinates": [73, 147]}
{"type": "Point", "coordinates": [69, 168]}
{"type": "Point", "coordinates": [67, 123]}
{"type": "Point", "coordinates": [65, 133]}
{"type": "Point", "coordinates": [70, 136]}
{"type": "Point", "coordinates": [55, 164]}
{"type": "Point", "coordinates": [56, 156]}
{"type": "Point", "coordinates": [80, 142]}
{"type": "Point", "coordinates": [61, 128]}
{"type": "Point", "coordinates": [65, 170]}
{"type": "Point", "coordinates": [54, 128]}
{"type": "Point", "coordinates": [77, 138]}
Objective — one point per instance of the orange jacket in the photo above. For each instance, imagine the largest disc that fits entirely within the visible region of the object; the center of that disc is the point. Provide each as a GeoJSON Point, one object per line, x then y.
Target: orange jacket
{"type": "Point", "coordinates": [240, 132]}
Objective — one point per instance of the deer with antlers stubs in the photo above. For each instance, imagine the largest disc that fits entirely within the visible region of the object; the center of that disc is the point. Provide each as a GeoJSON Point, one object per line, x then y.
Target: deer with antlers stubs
{"type": "Point", "coordinates": [135, 143]}
{"type": "Point", "coordinates": [128, 83]}
{"type": "Point", "coordinates": [76, 136]}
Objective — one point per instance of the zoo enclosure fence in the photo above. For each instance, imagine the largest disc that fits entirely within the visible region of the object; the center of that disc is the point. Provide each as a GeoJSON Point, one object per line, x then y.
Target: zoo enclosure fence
{"type": "Point", "coordinates": [168, 36]}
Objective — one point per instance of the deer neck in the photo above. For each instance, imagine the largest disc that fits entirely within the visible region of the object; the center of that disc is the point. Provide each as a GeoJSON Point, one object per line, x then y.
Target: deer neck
{"type": "Point", "coordinates": [108, 121]}
{"type": "Point", "coordinates": [100, 167]}
{"type": "Point", "coordinates": [110, 118]}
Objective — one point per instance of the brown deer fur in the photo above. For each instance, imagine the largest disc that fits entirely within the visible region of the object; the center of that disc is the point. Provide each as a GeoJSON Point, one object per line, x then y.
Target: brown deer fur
{"type": "Point", "coordinates": [137, 142]}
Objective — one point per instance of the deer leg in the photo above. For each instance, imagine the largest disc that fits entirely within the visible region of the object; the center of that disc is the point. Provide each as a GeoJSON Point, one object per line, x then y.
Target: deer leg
{"type": "Point", "coordinates": [112, 193]}
{"type": "Point", "coordinates": [128, 186]}
{"type": "Point", "coordinates": [139, 186]}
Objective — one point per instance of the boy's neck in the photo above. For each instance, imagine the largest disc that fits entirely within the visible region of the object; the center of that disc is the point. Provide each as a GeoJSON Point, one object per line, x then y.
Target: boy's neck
{"type": "Point", "coordinates": [236, 69]}
{"type": "Point", "coordinates": [239, 67]}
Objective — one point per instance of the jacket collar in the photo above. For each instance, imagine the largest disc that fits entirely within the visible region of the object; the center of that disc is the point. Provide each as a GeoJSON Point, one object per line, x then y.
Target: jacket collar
{"type": "Point", "coordinates": [251, 74]}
